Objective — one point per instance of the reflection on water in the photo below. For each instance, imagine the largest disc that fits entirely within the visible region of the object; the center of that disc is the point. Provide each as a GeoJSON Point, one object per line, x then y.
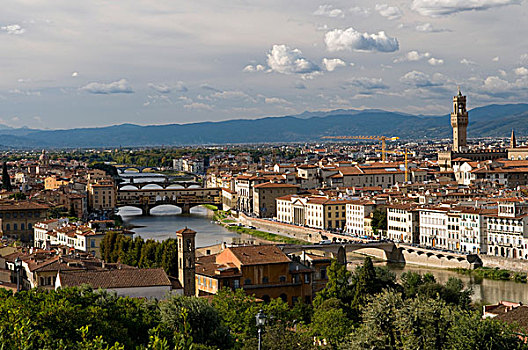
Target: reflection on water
{"type": "Point", "coordinates": [490, 291]}
{"type": "Point", "coordinates": [163, 223]}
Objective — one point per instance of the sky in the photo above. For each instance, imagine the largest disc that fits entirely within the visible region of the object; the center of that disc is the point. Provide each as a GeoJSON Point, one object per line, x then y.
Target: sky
{"type": "Point", "coordinates": [66, 64]}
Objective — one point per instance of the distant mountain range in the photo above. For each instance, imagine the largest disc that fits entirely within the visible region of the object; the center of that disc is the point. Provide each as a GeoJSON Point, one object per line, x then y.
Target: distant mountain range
{"type": "Point", "coordinates": [491, 120]}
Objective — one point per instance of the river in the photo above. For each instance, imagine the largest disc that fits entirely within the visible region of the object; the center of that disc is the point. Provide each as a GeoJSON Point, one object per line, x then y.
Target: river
{"type": "Point", "coordinates": [164, 222]}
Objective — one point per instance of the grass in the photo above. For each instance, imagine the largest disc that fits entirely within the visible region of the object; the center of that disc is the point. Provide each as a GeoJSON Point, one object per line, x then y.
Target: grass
{"type": "Point", "coordinates": [221, 216]}
{"type": "Point", "coordinates": [266, 235]}
{"type": "Point", "coordinates": [210, 207]}
{"type": "Point", "coordinates": [494, 274]}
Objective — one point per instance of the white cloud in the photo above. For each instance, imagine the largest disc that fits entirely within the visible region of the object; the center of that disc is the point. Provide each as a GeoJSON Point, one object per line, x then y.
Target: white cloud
{"type": "Point", "coordinates": [121, 86]}
{"type": "Point", "coordinates": [276, 100]}
{"type": "Point", "coordinates": [360, 11]}
{"type": "Point", "coordinates": [253, 68]}
{"type": "Point", "coordinates": [435, 61]}
{"type": "Point", "coordinates": [521, 71]}
{"type": "Point", "coordinates": [199, 106]}
{"type": "Point", "coordinates": [390, 12]}
{"type": "Point", "coordinates": [75, 74]}
{"type": "Point", "coordinates": [331, 64]}
{"type": "Point", "coordinates": [14, 29]}
{"type": "Point", "coordinates": [350, 39]}
{"type": "Point", "coordinates": [495, 59]}
{"type": "Point", "coordinates": [502, 72]}
{"type": "Point", "coordinates": [468, 62]}
{"type": "Point", "coordinates": [282, 59]}
{"type": "Point", "coordinates": [524, 58]}
{"type": "Point", "coordinates": [429, 28]}
{"type": "Point", "coordinates": [495, 84]}
{"type": "Point", "coordinates": [422, 80]}
{"type": "Point", "coordinates": [163, 88]}
{"type": "Point", "coordinates": [498, 87]}
{"type": "Point", "coordinates": [329, 11]}
{"type": "Point", "coordinates": [435, 8]}
{"type": "Point", "coordinates": [412, 56]}
{"type": "Point", "coordinates": [368, 83]}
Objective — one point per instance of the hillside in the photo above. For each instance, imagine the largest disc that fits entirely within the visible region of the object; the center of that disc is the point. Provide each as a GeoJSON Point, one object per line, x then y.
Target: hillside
{"type": "Point", "coordinates": [492, 120]}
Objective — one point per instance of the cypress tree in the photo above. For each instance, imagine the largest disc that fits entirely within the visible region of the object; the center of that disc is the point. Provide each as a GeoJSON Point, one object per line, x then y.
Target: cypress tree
{"type": "Point", "coordinates": [6, 180]}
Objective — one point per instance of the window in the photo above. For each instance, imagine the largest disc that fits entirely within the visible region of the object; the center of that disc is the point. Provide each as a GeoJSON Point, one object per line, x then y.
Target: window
{"type": "Point", "coordinates": [282, 279]}
{"type": "Point", "coordinates": [306, 278]}
{"type": "Point", "coordinates": [247, 281]}
{"type": "Point", "coordinates": [323, 274]}
{"type": "Point", "coordinates": [236, 284]}
{"type": "Point", "coordinates": [265, 280]}
{"type": "Point", "coordinates": [15, 227]}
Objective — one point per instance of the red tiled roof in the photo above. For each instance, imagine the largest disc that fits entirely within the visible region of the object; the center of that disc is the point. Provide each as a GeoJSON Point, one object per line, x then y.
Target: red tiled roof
{"type": "Point", "coordinates": [126, 278]}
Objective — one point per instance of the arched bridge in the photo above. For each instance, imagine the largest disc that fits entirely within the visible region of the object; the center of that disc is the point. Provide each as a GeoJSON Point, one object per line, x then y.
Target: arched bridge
{"type": "Point", "coordinates": [161, 184]}
{"type": "Point", "coordinates": [135, 168]}
{"type": "Point", "coordinates": [389, 250]}
{"type": "Point", "coordinates": [184, 198]}
{"type": "Point", "coordinates": [393, 252]}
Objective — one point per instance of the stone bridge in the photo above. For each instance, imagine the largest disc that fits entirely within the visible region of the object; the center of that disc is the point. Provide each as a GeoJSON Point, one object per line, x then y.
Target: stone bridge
{"type": "Point", "coordinates": [183, 198]}
{"type": "Point", "coordinates": [135, 168]}
{"type": "Point", "coordinates": [385, 250]}
{"type": "Point", "coordinates": [161, 184]}
{"type": "Point", "coordinates": [392, 252]}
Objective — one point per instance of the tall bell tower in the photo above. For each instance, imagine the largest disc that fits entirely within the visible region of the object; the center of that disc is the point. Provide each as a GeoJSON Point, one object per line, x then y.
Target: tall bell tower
{"type": "Point", "coordinates": [186, 260]}
{"type": "Point", "coordinates": [459, 122]}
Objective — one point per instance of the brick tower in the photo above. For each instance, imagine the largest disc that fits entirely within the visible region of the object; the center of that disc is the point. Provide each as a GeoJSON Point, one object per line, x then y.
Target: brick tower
{"type": "Point", "coordinates": [186, 260]}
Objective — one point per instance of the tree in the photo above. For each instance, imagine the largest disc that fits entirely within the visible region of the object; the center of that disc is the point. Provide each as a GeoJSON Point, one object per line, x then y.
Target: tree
{"type": "Point", "coordinates": [378, 329]}
{"type": "Point", "coordinates": [379, 220]}
{"type": "Point", "coordinates": [6, 180]}
{"type": "Point", "coordinates": [330, 322]}
{"type": "Point", "coordinates": [338, 285]}
{"type": "Point", "coordinates": [204, 320]}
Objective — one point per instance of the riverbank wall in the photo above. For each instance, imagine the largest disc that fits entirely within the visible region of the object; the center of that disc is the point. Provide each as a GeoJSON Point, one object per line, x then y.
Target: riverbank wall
{"type": "Point", "coordinates": [504, 263]}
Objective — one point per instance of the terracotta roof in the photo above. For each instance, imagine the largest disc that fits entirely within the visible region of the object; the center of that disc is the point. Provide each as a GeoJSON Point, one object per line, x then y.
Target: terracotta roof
{"type": "Point", "coordinates": [257, 255]}
{"type": "Point", "coordinates": [275, 185]}
{"type": "Point", "coordinates": [517, 316]}
{"type": "Point", "coordinates": [186, 231]}
{"type": "Point", "coordinates": [127, 278]}
{"type": "Point", "coordinates": [21, 205]}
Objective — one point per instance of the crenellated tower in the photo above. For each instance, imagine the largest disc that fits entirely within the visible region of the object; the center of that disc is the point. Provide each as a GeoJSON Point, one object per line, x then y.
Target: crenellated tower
{"type": "Point", "coordinates": [459, 122]}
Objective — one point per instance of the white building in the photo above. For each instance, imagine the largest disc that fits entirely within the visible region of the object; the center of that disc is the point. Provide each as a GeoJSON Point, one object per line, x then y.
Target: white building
{"type": "Point", "coordinates": [507, 231]}
{"type": "Point", "coordinates": [403, 224]}
{"type": "Point", "coordinates": [473, 231]}
{"type": "Point", "coordinates": [356, 213]}
{"type": "Point", "coordinates": [433, 227]}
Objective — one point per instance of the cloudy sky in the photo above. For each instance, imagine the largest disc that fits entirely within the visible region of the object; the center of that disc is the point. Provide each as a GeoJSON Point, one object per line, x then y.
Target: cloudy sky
{"type": "Point", "coordinates": [70, 63]}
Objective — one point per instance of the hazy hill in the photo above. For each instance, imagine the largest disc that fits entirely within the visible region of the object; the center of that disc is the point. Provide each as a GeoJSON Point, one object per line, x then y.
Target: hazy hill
{"type": "Point", "coordinates": [492, 120]}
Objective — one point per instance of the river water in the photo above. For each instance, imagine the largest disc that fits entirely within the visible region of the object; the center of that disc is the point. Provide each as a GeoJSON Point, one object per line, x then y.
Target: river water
{"type": "Point", "coordinates": [165, 221]}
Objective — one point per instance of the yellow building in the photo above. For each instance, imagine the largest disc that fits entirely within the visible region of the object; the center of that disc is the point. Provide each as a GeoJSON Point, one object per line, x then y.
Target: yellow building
{"type": "Point", "coordinates": [101, 195]}
{"type": "Point", "coordinates": [54, 182]}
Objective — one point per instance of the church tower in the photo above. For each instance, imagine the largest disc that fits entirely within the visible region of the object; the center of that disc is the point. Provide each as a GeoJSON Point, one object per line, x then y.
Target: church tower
{"type": "Point", "coordinates": [513, 141]}
{"type": "Point", "coordinates": [459, 122]}
{"type": "Point", "coordinates": [186, 260]}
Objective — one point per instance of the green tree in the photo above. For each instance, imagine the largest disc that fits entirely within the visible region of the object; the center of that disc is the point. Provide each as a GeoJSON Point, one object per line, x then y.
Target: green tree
{"type": "Point", "coordinates": [330, 322]}
{"type": "Point", "coordinates": [203, 319]}
{"type": "Point", "coordinates": [338, 285]}
{"type": "Point", "coordinates": [471, 332]}
{"type": "Point", "coordinates": [379, 219]}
